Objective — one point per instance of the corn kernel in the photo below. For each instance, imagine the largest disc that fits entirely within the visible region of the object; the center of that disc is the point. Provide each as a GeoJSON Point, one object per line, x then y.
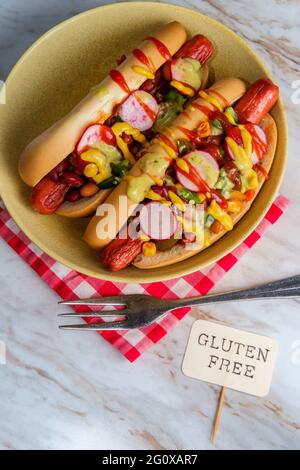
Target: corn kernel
{"type": "Point", "coordinates": [208, 195]}
{"type": "Point", "coordinates": [149, 249]}
{"type": "Point", "coordinates": [182, 164]}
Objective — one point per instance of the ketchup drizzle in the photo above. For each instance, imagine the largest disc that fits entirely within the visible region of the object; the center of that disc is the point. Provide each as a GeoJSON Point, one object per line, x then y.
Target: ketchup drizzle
{"type": "Point", "coordinates": [162, 49]}
{"type": "Point", "coordinates": [151, 114]}
{"type": "Point", "coordinates": [208, 112]}
{"type": "Point", "coordinates": [141, 57]}
{"type": "Point", "coordinates": [117, 77]}
{"type": "Point", "coordinates": [168, 142]}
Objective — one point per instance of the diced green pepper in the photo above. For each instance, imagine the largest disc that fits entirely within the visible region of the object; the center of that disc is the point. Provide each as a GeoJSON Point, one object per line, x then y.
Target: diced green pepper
{"type": "Point", "coordinates": [110, 182]}
{"type": "Point", "coordinates": [184, 146]}
{"type": "Point", "coordinates": [217, 124]}
{"type": "Point", "coordinates": [173, 95]}
{"type": "Point", "coordinates": [209, 221]}
{"type": "Point", "coordinates": [188, 195]}
{"type": "Point", "coordinates": [121, 168]}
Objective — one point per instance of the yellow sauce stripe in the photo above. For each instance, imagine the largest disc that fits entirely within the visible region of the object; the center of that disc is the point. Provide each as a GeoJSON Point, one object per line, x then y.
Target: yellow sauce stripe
{"type": "Point", "coordinates": [210, 100]}
{"type": "Point", "coordinates": [182, 88]}
{"type": "Point", "coordinates": [247, 140]}
{"type": "Point", "coordinates": [230, 117]}
{"type": "Point", "coordinates": [219, 214]}
{"type": "Point", "coordinates": [177, 201]}
{"type": "Point", "coordinates": [171, 152]}
{"type": "Point", "coordinates": [182, 164]}
{"type": "Point", "coordinates": [118, 128]}
{"type": "Point", "coordinates": [142, 71]}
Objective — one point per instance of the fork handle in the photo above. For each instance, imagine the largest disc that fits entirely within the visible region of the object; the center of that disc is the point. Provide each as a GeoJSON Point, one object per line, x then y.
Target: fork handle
{"type": "Point", "coordinates": [284, 288]}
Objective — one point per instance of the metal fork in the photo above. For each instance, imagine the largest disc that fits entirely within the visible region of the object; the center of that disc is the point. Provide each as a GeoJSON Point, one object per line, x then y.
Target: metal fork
{"type": "Point", "coordinates": [141, 309]}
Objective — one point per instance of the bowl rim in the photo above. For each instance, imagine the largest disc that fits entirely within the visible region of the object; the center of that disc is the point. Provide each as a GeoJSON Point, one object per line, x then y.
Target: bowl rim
{"type": "Point", "coordinates": [148, 276]}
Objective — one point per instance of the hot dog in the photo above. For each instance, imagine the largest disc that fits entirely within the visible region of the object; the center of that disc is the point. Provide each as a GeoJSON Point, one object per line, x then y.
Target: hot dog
{"type": "Point", "coordinates": [221, 178]}
{"type": "Point", "coordinates": [73, 165]}
{"type": "Point", "coordinates": [164, 146]}
{"type": "Point", "coordinates": [238, 202]}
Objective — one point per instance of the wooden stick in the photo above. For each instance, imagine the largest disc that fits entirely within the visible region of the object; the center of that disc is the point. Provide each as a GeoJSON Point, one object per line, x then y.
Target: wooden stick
{"type": "Point", "coordinates": [218, 415]}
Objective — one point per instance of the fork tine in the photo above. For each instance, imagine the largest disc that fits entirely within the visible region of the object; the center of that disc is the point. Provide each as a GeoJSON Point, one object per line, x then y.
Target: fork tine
{"type": "Point", "coordinates": [112, 325]}
{"type": "Point", "coordinates": [104, 313]}
{"type": "Point", "coordinates": [99, 301]}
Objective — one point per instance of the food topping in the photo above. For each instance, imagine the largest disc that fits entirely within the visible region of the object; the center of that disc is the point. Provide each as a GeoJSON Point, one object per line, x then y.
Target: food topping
{"type": "Point", "coordinates": [118, 129]}
{"type": "Point", "coordinates": [205, 165]}
{"type": "Point", "coordinates": [139, 110]}
{"type": "Point", "coordinates": [99, 159]}
{"type": "Point", "coordinates": [118, 78]}
{"type": "Point", "coordinates": [149, 249]}
{"type": "Point", "coordinates": [138, 187]}
{"type": "Point", "coordinates": [219, 214]}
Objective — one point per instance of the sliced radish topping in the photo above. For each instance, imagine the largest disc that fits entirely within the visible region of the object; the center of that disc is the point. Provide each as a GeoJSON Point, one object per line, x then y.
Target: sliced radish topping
{"type": "Point", "coordinates": [259, 142]}
{"type": "Point", "coordinates": [93, 134]}
{"type": "Point", "coordinates": [187, 71]}
{"type": "Point", "coordinates": [158, 221]}
{"type": "Point", "coordinates": [254, 158]}
{"type": "Point", "coordinates": [185, 181]}
{"type": "Point", "coordinates": [205, 165]}
{"type": "Point", "coordinates": [139, 110]}
{"type": "Point", "coordinates": [261, 134]}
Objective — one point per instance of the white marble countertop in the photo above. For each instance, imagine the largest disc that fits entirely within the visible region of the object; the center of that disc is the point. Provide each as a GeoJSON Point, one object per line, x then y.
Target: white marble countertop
{"type": "Point", "coordinates": [74, 391]}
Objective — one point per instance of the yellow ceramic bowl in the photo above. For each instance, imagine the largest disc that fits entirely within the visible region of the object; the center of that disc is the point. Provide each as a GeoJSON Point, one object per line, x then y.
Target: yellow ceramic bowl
{"type": "Point", "coordinates": [59, 69]}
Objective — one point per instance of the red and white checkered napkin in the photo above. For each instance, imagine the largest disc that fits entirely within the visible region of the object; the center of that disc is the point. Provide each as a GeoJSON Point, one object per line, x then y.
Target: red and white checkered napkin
{"type": "Point", "coordinates": [71, 284]}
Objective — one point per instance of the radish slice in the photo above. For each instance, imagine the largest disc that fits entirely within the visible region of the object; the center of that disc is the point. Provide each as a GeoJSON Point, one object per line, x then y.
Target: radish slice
{"type": "Point", "coordinates": [187, 70]}
{"type": "Point", "coordinates": [206, 166]}
{"type": "Point", "coordinates": [158, 221]}
{"type": "Point", "coordinates": [261, 134]}
{"type": "Point", "coordinates": [254, 158]}
{"type": "Point", "coordinates": [93, 134]}
{"type": "Point", "coordinates": [185, 181]}
{"type": "Point", "coordinates": [257, 156]}
{"type": "Point", "coordinates": [139, 110]}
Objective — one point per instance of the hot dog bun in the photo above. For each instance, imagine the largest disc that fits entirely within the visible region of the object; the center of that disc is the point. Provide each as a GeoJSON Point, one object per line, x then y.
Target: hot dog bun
{"type": "Point", "coordinates": [87, 206]}
{"type": "Point", "coordinates": [46, 151]}
{"type": "Point", "coordinates": [231, 89]}
{"type": "Point", "coordinates": [178, 252]}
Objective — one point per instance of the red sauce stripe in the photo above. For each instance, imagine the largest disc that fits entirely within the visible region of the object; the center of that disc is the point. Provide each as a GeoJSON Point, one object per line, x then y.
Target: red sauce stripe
{"type": "Point", "coordinates": [261, 169]}
{"type": "Point", "coordinates": [189, 134]}
{"type": "Point", "coordinates": [141, 57]}
{"type": "Point", "coordinates": [208, 112]}
{"type": "Point", "coordinates": [162, 49]}
{"type": "Point", "coordinates": [117, 77]}
{"type": "Point", "coordinates": [168, 142]}
{"type": "Point", "coordinates": [151, 114]}
{"type": "Point", "coordinates": [221, 97]}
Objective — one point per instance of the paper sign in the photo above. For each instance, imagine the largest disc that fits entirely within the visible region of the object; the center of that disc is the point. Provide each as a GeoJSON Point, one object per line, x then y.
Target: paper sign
{"type": "Point", "coordinates": [229, 357]}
